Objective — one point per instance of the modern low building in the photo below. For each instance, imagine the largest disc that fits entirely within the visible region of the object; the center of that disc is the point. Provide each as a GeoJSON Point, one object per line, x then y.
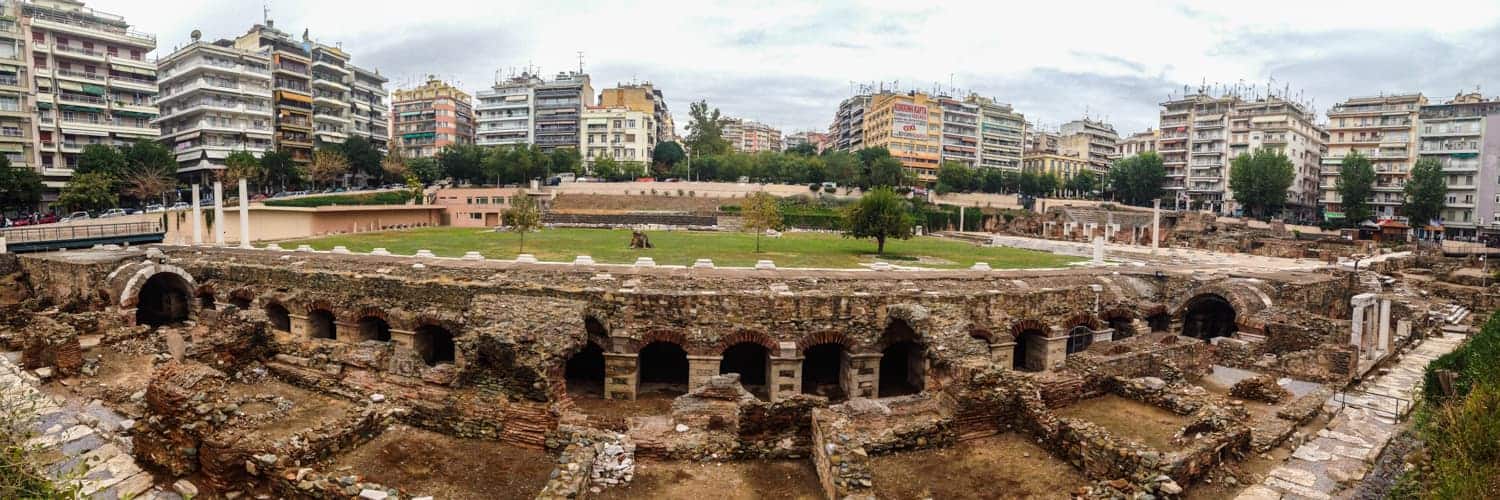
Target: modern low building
{"type": "Point", "coordinates": [557, 108]}
{"type": "Point", "coordinates": [1002, 133]}
{"type": "Point", "coordinates": [748, 136]}
{"type": "Point", "coordinates": [215, 99]}
{"type": "Point", "coordinates": [1041, 141]}
{"type": "Point", "coordinates": [368, 109]}
{"type": "Point", "coordinates": [427, 118]}
{"type": "Point", "coordinates": [1383, 129]}
{"type": "Point", "coordinates": [1289, 128]}
{"type": "Point", "coordinates": [503, 113]}
{"type": "Point", "coordinates": [908, 125]}
{"type": "Point", "coordinates": [621, 134]}
{"type": "Point", "coordinates": [819, 141]}
{"type": "Point", "coordinates": [1091, 139]}
{"type": "Point", "coordinates": [1463, 134]}
{"type": "Point", "coordinates": [645, 98]}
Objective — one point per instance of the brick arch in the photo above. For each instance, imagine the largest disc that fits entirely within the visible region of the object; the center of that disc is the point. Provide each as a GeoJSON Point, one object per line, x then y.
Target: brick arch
{"type": "Point", "coordinates": [371, 312]}
{"type": "Point", "coordinates": [1117, 312]}
{"type": "Point", "coordinates": [662, 335]}
{"type": "Point", "coordinates": [1027, 324]}
{"type": "Point", "coordinates": [746, 335]}
{"type": "Point", "coordinates": [204, 289]}
{"type": "Point", "coordinates": [316, 304]}
{"type": "Point", "coordinates": [825, 337]}
{"type": "Point", "coordinates": [243, 293]}
{"type": "Point", "coordinates": [1154, 310]}
{"type": "Point", "coordinates": [1082, 319]}
{"type": "Point", "coordinates": [1247, 297]}
{"type": "Point", "coordinates": [982, 334]}
{"type": "Point", "coordinates": [426, 320]}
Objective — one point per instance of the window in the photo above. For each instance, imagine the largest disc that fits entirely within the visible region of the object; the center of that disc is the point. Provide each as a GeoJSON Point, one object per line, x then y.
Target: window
{"type": "Point", "coordinates": [475, 216]}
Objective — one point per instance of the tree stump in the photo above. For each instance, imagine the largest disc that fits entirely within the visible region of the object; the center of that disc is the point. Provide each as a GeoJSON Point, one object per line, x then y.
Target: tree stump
{"type": "Point", "coordinates": [639, 240]}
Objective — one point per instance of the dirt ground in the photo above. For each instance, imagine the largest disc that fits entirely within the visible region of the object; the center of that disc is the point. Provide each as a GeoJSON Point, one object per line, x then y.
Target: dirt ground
{"type": "Point", "coordinates": [427, 463]}
{"type": "Point", "coordinates": [1130, 419]}
{"type": "Point", "coordinates": [612, 414]}
{"type": "Point", "coordinates": [785, 479]}
{"type": "Point", "coordinates": [309, 409]}
{"type": "Point", "coordinates": [1253, 469]}
{"type": "Point", "coordinates": [1003, 466]}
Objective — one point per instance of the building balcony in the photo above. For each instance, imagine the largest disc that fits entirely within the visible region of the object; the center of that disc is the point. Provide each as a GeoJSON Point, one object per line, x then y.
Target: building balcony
{"type": "Point", "coordinates": [79, 75]}
{"type": "Point", "coordinates": [78, 53]}
{"type": "Point", "coordinates": [76, 24]}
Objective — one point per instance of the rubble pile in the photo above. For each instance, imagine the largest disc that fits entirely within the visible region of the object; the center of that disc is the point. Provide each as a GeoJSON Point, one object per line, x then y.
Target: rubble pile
{"type": "Point", "coordinates": [1261, 388]}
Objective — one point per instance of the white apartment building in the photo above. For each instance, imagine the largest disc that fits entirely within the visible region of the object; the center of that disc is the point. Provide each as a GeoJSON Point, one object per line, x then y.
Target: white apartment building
{"type": "Point", "coordinates": [1139, 142]}
{"type": "Point", "coordinates": [331, 80]}
{"type": "Point", "coordinates": [503, 113]}
{"type": "Point", "coordinates": [748, 136]}
{"type": "Point", "coordinates": [215, 99]}
{"type": "Point", "coordinates": [1461, 135]}
{"type": "Point", "coordinates": [1194, 150]}
{"type": "Point", "coordinates": [960, 135]}
{"type": "Point", "coordinates": [369, 109]}
{"type": "Point", "coordinates": [1002, 134]}
{"type": "Point", "coordinates": [1383, 129]}
{"type": "Point", "coordinates": [1280, 125]}
{"type": "Point", "coordinates": [618, 133]}
{"type": "Point", "coordinates": [1091, 139]}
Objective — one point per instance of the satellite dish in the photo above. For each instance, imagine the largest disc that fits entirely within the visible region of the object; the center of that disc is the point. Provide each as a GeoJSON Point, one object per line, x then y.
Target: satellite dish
{"type": "Point", "coordinates": [196, 35]}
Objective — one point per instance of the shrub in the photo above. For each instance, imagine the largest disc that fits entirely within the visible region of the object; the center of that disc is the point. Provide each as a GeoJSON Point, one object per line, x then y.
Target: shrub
{"type": "Point", "coordinates": [383, 198]}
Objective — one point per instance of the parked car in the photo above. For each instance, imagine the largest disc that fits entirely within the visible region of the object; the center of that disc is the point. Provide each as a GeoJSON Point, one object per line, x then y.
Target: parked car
{"type": "Point", "coordinates": [47, 219]}
{"type": "Point", "coordinates": [181, 205]}
{"type": "Point", "coordinates": [112, 213]}
{"type": "Point", "coordinates": [258, 197]}
{"type": "Point", "coordinates": [155, 208]}
{"type": "Point", "coordinates": [76, 216]}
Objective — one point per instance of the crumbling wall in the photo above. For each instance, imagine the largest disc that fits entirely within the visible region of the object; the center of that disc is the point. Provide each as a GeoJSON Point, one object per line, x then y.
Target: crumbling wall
{"type": "Point", "coordinates": [178, 401]}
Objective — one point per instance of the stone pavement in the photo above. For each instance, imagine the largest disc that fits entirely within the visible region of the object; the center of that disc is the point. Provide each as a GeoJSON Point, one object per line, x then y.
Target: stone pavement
{"type": "Point", "coordinates": [80, 440]}
{"type": "Point", "coordinates": [1344, 451]}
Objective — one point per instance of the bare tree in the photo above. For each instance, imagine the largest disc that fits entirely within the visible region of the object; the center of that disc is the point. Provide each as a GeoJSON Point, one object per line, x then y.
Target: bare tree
{"type": "Point", "coordinates": [328, 167]}
{"type": "Point", "coordinates": [523, 216]}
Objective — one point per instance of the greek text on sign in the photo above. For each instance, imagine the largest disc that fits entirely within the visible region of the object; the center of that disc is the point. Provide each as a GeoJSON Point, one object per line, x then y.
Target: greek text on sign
{"type": "Point", "coordinates": [909, 121]}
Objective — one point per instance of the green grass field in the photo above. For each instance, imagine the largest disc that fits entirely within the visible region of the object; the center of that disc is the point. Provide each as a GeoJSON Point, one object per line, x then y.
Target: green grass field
{"type": "Point", "coordinates": [683, 247]}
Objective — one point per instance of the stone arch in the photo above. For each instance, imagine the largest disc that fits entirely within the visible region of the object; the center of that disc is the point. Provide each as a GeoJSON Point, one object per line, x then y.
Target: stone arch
{"type": "Point", "coordinates": [1030, 350]}
{"type": "Point", "coordinates": [676, 337]}
{"type": "Point", "coordinates": [746, 336]}
{"type": "Point", "coordinates": [983, 334]}
{"type": "Point", "coordinates": [242, 298]}
{"type": "Point", "coordinates": [1157, 318]}
{"type": "Point", "coordinates": [1027, 324]}
{"type": "Point", "coordinates": [825, 365]}
{"type": "Point", "coordinates": [163, 299]}
{"type": "Point", "coordinates": [1082, 319]}
{"type": "Point", "coordinates": [1245, 295]}
{"type": "Point", "coordinates": [433, 342]}
{"type": "Point", "coordinates": [663, 363]}
{"type": "Point", "coordinates": [1208, 315]}
{"type": "Point", "coordinates": [133, 281]}
{"type": "Point", "coordinates": [279, 316]}
{"type": "Point", "coordinates": [750, 359]}
{"type": "Point", "coordinates": [321, 323]}
{"type": "Point", "coordinates": [1121, 320]}
{"type": "Point", "coordinates": [1079, 339]}
{"type": "Point", "coordinates": [903, 360]}
{"type": "Point", "coordinates": [826, 337]}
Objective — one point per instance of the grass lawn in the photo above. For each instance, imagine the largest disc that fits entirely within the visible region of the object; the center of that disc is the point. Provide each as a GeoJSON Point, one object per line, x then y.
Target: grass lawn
{"type": "Point", "coordinates": [683, 247]}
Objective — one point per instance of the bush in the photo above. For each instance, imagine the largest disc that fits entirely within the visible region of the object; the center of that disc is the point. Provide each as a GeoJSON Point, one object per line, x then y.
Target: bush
{"type": "Point", "coordinates": [1461, 431]}
{"type": "Point", "coordinates": [385, 198]}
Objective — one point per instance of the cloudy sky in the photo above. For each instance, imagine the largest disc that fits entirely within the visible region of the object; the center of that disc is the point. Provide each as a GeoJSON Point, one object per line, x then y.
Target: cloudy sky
{"type": "Point", "coordinates": [790, 63]}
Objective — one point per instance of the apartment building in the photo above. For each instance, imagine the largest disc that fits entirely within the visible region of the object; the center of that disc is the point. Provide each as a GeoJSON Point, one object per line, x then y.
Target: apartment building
{"type": "Point", "coordinates": [1280, 125]}
{"type": "Point", "coordinates": [748, 136]}
{"type": "Point", "coordinates": [960, 131]}
{"type": "Point", "coordinates": [331, 80]}
{"type": "Point", "coordinates": [1002, 133]}
{"type": "Point", "coordinates": [909, 125]}
{"type": "Point", "coordinates": [215, 99]}
{"type": "Point", "coordinates": [1091, 139]}
{"type": "Point", "coordinates": [820, 141]}
{"type": "Point", "coordinates": [1040, 141]}
{"type": "Point", "coordinates": [83, 80]}
{"type": "Point", "coordinates": [1383, 129]}
{"type": "Point", "coordinates": [368, 110]}
{"type": "Point", "coordinates": [1194, 147]}
{"type": "Point", "coordinates": [1139, 142]}
{"type": "Point", "coordinates": [502, 113]}
{"type": "Point", "coordinates": [291, 90]}
{"type": "Point", "coordinates": [429, 117]}
{"type": "Point", "coordinates": [1463, 134]}
{"type": "Point", "coordinates": [847, 132]}
{"type": "Point", "coordinates": [557, 108]}
{"type": "Point", "coordinates": [645, 98]}
{"type": "Point", "coordinates": [1063, 165]}
{"type": "Point", "coordinates": [619, 133]}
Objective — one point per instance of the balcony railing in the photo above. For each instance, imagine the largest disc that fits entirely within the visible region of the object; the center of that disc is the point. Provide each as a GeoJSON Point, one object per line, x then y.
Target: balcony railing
{"type": "Point", "coordinates": [79, 74]}
{"type": "Point", "coordinates": [90, 25]}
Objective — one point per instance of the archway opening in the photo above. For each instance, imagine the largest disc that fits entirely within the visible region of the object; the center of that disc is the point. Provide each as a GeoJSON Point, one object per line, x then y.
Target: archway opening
{"type": "Point", "coordinates": [751, 361]}
{"type": "Point", "coordinates": [902, 366]}
{"type": "Point", "coordinates": [243, 303]}
{"type": "Point", "coordinates": [320, 324]}
{"type": "Point", "coordinates": [823, 368]}
{"type": "Point", "coordinates": [374, 328]}
{"type": "Point", "coordinates": [281, 319]}
{"type": "Point", "coordinates": [1079, 339]}
{"type": "Point", "coordinates": [1030, 354]}
{"type": "Point", "coordinates": [1159, 322]}
{"type": "Point", "coordinates": [663, 368]}
{"type": "Point", "coordinates": [1123, 327]}
{"type": "Point", "coordinates": [434, 343]}
{"type": "Point", "coordinates": [584, 372]}
{"type": "Point", "coordinates": [1208, 316]}
{"type": "Point", "coordinates": [164, 299]}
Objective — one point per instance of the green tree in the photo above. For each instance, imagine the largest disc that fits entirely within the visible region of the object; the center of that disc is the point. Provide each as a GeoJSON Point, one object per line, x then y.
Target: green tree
{"type": "Point", "coordinates": [328, 166]}
{"type": "Point", "coordinates": [880, 214]}
{"type": "Point", "coordinates": [426, 170]}
{"type": "Point", "coordinates": [463, 162]}
{"type": "Point", "coordinates": [666, 156]}
{"type": "Point", "coordinates": [101, 158]}
{"type": "Point", "coordinates": [1083, 183]}
{"type": "Point", "coordinates": [1047, 184]}
{"type": "Point", "coordinates": [243, 165]}
{"type": "Point", "coordinates": [523, 216]}
{"type": "Point", "coordinates": [20, 188]}
{"type": "Point", "coordinates": [1260, 181]}
{"type": "Point", "coordinates": [1138, 180]}
{"type": "Point", "coordinates": [954, 177]}
{"type": "Point", "coordinates": [566, 160]}
{"type": "Point", "coordinates": [499, 164]}
{"type": "Point", "coordinates": [148, 154]}
{"type": "Point", "coordinates": [280, 169]}
{"type": "Point", "coordinates": [886, 172]}
{"type": "Point", "coordinates": [841, 167]}
{"type": "Point", "coordinates": [363, 158]}
{"type": "Point", "coordinates": [1356, 182]}
{"type": "Point", "coordinates": [1425, 191]}
{"type": "Point", "coordinates": [762, 212]}
{"type": "Point", "coordinates": [804, 149]}
{"type": "Point", "coordinates": [605, 168]}
{"type": "Point", "coordinates": [705, 130]}
{"type": "Point", "coordinates": [89, 191]}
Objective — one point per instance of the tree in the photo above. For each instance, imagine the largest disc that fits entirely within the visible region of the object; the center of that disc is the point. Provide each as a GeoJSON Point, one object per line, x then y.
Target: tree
{"type": "Point", "coordinates": [394, 167]}
{"type": "Point", "coordinates": [563, 160]}
{"type": "Point", "coordinates": [147, 184]}
{"type": "Point", "coordinates": [328, 166]}
{"type": "Point", "coordinates": [762, 212]}
{"type": "Point", "coordinates": [956, 177]}
{"type": "Point", "coordinates": [706, 130]}
{"type": "Point", "coordinates": [886, 172]}
{"type": "Point", "coordinates": [523, 216]}
{"type": "Point", "coordinates": [363, 157]}
{"type": "Point", "coordinates": [841, 167]}
{"type": "Point", "coordinates": [1083, 183]}
{"type": "Point", "coordinates": [1425, 191]}
{"type": "Point", "coordinates": [279, 169]}
{"type": "Point", "coordinates": [463, 162]}
{"type": "Point", "coordinates": [425, 169]}
{"type": "Point", "coordinates": [20, 188]}
{"type": "Point", "coordinates": [1047, 184]}
{"type": "Point", "coordinates": [1356, 182]}
{"type": "Point", "coordinates": [242, 165]}
{"type": "Point", "coordinates": [879, 214]}
{"type": "Point", "coordinates": [1138, 179]}
{"type": "Point", "coordinates": [804, 149]}
{"type": "Point", "coordinates": [89, 191]}
{"type": "Point", "coordinates": [101, 158]}
{"type": "Point", "coordinates": [666, 155]}
{"type": "Point", "coordinates": [148, 154]}
{"type": "Point", "coordinates": [606, 168]}
{"type": "Point", "coordinates": [1260, 181]}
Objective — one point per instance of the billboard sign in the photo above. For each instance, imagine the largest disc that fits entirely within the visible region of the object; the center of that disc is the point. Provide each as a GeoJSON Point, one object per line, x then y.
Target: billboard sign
{"type": "Point", "coordinates": [909, 121]}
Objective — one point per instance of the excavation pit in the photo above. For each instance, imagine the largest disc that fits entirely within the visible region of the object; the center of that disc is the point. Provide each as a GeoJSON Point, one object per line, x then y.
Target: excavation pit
{"type": "Point", "coordinates": [782, 479]}
{"type": "Point", "coordinates": [428, 463]}
{"type": "Point", "coordinates": [1130, 419]}
{"type": "Point", "coordinates": [1008, 465]}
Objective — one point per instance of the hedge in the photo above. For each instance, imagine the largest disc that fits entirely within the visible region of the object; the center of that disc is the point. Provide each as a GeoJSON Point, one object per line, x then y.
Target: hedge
{"type": "Point", "coordinates": [383, 198]}
{"type": "Point", "coordinates": [1476, 362]}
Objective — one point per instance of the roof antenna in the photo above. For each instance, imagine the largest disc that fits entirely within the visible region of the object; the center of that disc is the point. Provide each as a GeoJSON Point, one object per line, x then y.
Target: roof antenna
{"type": "Point", "coordinates": [265, 11]}
{"type": "Point", "coordinates": [580, 62]}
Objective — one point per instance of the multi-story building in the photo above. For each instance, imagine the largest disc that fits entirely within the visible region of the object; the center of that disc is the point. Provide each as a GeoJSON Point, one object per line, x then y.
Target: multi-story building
{"type": "Point", "coordinates": [215, 99]}
{"type": "Point", "coordinates": [1002, 133]}
{"type": "Point", "coordinates": [960, 131]}
{"type": "Point", "coordinates": [1139, 142]}
{"type": "Point", "coordinates": [748, 136]}
{"type": "Point", "coordinates": [909, 126]}
{"type": "Point", "coordinates": [847, 133]}
{"type": "Point", "coordinates": [1062, 165]}
{"type": "Point", "coordinates": [557, 108]}
{"type": "Point", "coordinates": [503, 113]}
{"type": "Point", "coordinates": [291, 91]}
{"type": "Point", "coordinates": [331, 80]}
{"type": "Point", "coordinates": [1091, 139]}
{"type": "Point", "coordinates": [1463, 134]}
{"type": "Point", "coordinates": [1194, 149]}
{"type": "Point", "coordinates": [818, 140]}
{"type": "Point", "coordinates": [1040, 141]}
{"type": "Point", "coordinates": [70, 76]}
{"type": "Point", "coordinates": [621, 134]}
{"type": "Point", "coordinates": [1383, 129]}
{"type": "Point", "coordinates": [1287, 127]}
{"type": "Point", "coordinates": [368, 109]}
{"type": "Point", "coordinates": [427, 118]}
{"type": "Point", "coordinates": [645, 98]}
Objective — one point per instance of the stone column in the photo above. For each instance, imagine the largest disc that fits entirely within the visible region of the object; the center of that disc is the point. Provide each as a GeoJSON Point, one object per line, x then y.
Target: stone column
{"type": "Point", "coordinates": [2, 244]}
{"type": "Point", "coordinates": [621, 374]}
{"type": "Point", "coordinates": [197, 218]}
{"type": "Point", "coordinates": [1057, 349]}
{"type": "Point", "coordinates": [1155, 224]}
{"type": "Point", "coordinates": [785, 378]}
{"type": "Point", "coordinates": [404, 339]}
{"type": "Point", "coordinates": [1003, 355]}
{"type": "Point", "coordinates": [218, 213]}
{"type": "Point", "coordinates": [1383, 342]}
{"type": "Point", "coordinates": [861, 373]}
{"type": "Point", "coordinates": [1098, 250]}
{"type": "Point", "coordinates": [702, 368]}
{"type": "Point", "coordinates": [1105, 335]}
{"type": "Point", "coordinates": [300, 328]}
{"type": "Point", "coordinates": [1361, 319]}
{"type": "Point", "coordinates": [244, 213]}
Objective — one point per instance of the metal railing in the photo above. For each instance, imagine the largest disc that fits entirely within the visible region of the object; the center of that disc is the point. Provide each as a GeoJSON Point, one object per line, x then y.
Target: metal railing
{"type": "Point", "coordinates": [1403, 405]}
{"type": "Point", "coordinates": [80, 232]}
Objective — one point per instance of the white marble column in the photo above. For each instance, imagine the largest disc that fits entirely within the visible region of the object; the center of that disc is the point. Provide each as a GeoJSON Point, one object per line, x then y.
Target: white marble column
{"type": "Point", "coordinates": [244, 213]}
{"type": "Point", "coordinates": [1384, 328]}
{"type": "Point", "coordinates": [197, 218]}
{"type": "Point", "coordinates": [218, 213]}
{"type": "Point", "coordinates": [1155, 223]}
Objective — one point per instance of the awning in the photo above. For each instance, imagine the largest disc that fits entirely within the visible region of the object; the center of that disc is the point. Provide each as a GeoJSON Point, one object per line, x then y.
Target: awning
{"type": "Point", "coordinates": [1332, 215]}
{"type": "Point", "coordinates": [67, 85]}
{"type": "Point", "coordinates": [43, 105]}
{"type": "Point", "coordinates": [94, 90]}
{"type": "Point", "coordinates": [133, 70]}
{"type": "Point", "coordinates": [9, 68]}
{"type": "Point", "coordinates": [78, 131]}
{"type": "Point", "coordinates": [12, 148]}
{"type": "Point", "coordinates": [419, 135]}
{"type": "Point", "coordinates": [294, 97]}
{"type": "Point", "coordinates": [83, 109]}
{"type": "Point", "coordinates": [135, 114]}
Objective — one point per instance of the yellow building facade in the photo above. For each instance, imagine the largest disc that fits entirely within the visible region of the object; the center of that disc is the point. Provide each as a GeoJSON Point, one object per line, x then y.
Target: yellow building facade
{"type": "Point", "coordinates": [1060, 165]}
{"type": "Point", "coordinates": [910, 126]}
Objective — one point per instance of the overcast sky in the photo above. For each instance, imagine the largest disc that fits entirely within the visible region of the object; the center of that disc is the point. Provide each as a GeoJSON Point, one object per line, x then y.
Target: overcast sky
{"type": "Point", "coordinates": [790, 63]}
